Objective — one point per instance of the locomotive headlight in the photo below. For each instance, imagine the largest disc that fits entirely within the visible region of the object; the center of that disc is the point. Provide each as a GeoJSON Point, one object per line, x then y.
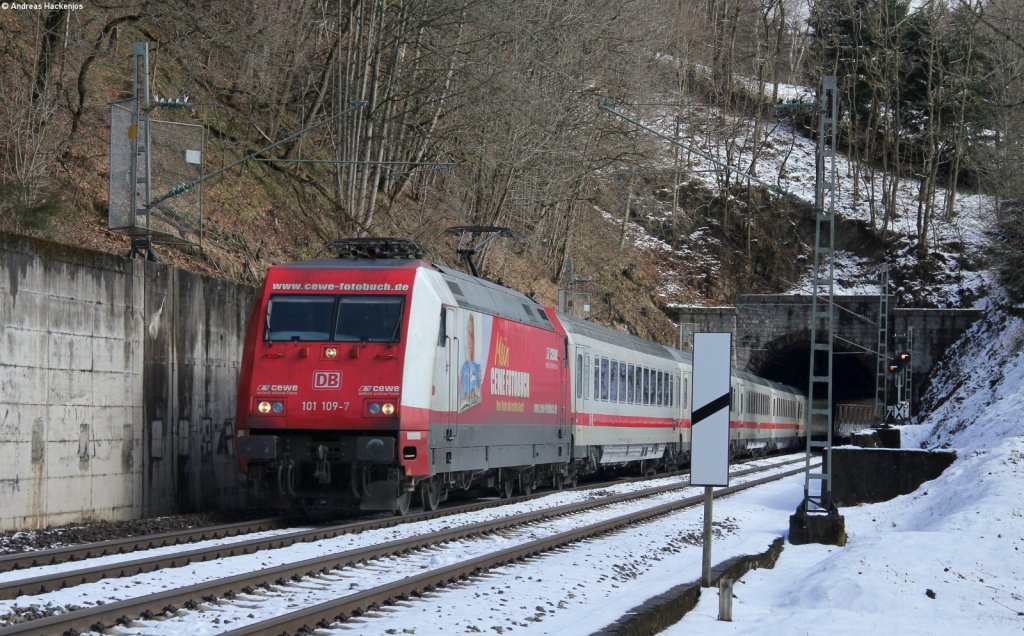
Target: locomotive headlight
{"type": "Point", "coordinates": [331, 353]}
{"type": "Point", "coordinates": [380, 408]}
{"type": "Point", "coordinates": [270, 407]}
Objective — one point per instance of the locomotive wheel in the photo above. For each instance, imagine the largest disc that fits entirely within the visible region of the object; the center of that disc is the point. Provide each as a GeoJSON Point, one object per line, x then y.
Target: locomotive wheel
{"type": "Point", "coordinates": [402, 503]}
{"type": "Point", "coordinates": [526, 482]}
{"type": "Point", "coordinates": [430, 493]}
{"type": "Point", "coordinates": [557, 481]}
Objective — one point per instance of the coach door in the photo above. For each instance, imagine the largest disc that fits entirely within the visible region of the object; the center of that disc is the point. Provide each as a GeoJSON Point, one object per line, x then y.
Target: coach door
{"type": "Point", "coordinates": [581, 382]}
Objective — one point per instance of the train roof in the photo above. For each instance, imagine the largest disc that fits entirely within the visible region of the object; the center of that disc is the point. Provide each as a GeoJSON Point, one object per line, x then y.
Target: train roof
{"type": "Point", "coordinates": [470, 292]}
{"type": "Point", "coordinates": [611, 336]}
{"type": "Point", "coordinates": [478, 294]}
{"type": "Point", "coordinates": [490, 298]}
{"type": "Point", "coordinates": [582, 327]}
{"type": "Point", "coordinates": [354, 263]}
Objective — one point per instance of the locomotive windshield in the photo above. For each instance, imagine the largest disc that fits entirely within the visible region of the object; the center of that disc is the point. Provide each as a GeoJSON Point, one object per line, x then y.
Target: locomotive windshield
{"type": "Point", "coordinates": [337, 318]}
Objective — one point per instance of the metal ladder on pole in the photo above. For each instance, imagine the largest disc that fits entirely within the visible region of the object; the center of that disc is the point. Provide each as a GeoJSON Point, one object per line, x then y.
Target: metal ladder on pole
{"type": "Point", "coordinates": [141, 159]}
{"type": "Point", "coordinates": [882, 377]}
{"type": "Point", "coordinates": [818, 485]}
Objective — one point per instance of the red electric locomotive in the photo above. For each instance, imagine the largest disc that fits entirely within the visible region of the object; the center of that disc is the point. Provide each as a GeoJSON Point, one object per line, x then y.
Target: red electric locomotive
{"type": "Point", "coordinates": [368, 376]}
{"type": "Point", "coordinates": [374, 375]}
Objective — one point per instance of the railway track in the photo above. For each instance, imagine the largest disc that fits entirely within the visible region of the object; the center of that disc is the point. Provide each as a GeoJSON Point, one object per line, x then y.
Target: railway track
{"type": "Point", "coordinates": [13, 588]}
{"type": "Point", "coordinates": [102, 616]}
{"type": "Point", "coordinates": [81, 552]}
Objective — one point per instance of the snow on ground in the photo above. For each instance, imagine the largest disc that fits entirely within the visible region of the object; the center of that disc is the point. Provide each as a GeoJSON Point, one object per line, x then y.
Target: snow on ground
{"type": "Point", "coordinates": [946, 559]}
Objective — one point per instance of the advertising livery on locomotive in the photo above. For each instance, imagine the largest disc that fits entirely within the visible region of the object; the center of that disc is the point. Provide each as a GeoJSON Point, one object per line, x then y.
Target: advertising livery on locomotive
{"type": "Point", "coordinates": [374, 376]}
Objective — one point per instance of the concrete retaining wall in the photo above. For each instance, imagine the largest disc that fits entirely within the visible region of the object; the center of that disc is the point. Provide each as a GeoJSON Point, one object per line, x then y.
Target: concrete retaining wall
{"type": "Point", "coordinates": [869, 475]}
{"type": "Point", "coordinates": [117, 384]}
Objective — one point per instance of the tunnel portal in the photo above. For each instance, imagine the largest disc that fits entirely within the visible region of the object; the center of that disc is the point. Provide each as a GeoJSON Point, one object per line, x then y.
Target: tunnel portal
{"type": "Point", "coordinates": [853, 372]}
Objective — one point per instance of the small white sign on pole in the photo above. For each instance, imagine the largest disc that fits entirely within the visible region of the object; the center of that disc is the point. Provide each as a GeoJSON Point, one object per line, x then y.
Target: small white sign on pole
{"type": "Point", "coordinates": [712, 368]}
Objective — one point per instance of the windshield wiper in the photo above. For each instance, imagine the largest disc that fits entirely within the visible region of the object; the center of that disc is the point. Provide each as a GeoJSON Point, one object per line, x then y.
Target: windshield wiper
{"type": "Point", "coordinates": [398, 328]}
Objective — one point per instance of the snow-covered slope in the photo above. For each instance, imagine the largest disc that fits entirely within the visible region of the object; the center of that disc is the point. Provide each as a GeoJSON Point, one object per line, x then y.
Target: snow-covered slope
{"type": "Point", "coordinates": [786, 158]}
{"type": "Point", "coordinates": [946, 559]}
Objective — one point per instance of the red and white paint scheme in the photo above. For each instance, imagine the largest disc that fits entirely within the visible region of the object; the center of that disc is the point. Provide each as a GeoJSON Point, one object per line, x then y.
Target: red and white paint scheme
{"type": "Point", "coordinates": [370, 377]}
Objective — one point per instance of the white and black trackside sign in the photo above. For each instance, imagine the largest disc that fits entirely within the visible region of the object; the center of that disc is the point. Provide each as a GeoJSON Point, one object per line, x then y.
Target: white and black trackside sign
{"type": "Point", "coordinates": [712, 368]}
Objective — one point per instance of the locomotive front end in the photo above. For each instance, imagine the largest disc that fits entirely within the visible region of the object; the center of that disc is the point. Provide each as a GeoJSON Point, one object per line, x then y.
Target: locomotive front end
{"type": "Point", "coordinates": [321, 387]}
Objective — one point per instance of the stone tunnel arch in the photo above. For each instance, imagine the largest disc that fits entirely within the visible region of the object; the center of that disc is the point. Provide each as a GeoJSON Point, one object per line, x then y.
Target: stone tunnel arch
{"type": "Point", "coordinates": [786, 359]}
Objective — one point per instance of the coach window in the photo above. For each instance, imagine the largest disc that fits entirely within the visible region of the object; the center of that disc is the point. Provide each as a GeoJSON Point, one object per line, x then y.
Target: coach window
{"type": "Point", "coordinates": [638, 386]}
{"type": "Point", "coordinates": [579, 375]}
{"type": "Point", "coordinates": [643, 387]}
{"type": "Point", "coordinates": [614, 381]}
{"type": "Point", "coordinates": [630, 388]}
{"type": "Point", "coordinates": [597, 377]}
{"type": "Point", "coordinates": [604, 379]}
{"type": "Point", "coordinates": [586, 375]}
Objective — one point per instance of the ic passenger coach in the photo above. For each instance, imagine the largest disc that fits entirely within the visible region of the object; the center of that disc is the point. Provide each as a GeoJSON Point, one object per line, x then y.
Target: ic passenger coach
{"type": "Point", "coordinates": [376, 376]}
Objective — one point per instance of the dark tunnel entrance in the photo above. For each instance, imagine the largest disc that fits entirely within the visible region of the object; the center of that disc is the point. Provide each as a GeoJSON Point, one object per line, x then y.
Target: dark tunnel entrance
{"type": "Point", "coordinates": [787, 361]}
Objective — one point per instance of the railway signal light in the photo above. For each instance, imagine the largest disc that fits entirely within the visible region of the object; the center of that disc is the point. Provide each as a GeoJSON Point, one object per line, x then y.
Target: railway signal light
{"type": "Point", "coordinates": [900, 363]}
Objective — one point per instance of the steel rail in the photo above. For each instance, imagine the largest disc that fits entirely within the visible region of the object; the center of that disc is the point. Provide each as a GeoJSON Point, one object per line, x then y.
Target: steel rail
{"type": "Point", "coordinates": [80, 552]}
{"type": "Point", "coordinates": [100, 617]}
{"type": "Point", "coordinates": [306, 620]}
{"type": "Point", "coordinates": [60, 580]}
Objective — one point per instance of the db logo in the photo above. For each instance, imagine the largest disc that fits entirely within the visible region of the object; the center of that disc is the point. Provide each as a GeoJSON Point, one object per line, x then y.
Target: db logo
{"type": "Point", "coordinates": [327, 380]}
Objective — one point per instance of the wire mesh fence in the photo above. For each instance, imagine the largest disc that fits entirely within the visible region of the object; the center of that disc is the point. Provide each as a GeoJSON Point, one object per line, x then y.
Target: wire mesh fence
{"type": "Point", "coordinates": [176, 157]}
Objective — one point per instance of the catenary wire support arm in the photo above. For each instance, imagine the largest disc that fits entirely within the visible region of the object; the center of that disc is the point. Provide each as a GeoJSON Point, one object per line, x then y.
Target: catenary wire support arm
{"type": "Point", "coordinates": [181, 188]}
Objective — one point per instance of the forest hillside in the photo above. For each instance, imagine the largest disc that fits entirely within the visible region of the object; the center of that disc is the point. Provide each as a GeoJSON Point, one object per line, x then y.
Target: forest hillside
{"type": "Point", "coordinates": [406, 117]}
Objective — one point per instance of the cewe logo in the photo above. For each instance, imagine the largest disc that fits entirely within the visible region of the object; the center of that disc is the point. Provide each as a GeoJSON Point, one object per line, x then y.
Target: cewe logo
{"type": "Point", "coordinates": [327, 379]}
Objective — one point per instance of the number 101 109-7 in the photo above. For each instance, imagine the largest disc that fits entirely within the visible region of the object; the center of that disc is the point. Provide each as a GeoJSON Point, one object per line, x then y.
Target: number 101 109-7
{"type": "Point", "coordinates": [325, 406]}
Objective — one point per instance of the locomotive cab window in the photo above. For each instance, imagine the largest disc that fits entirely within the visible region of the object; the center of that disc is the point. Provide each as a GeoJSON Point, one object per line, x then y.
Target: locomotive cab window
{"type": "Point", "coordinates": [338, 318]}
{"type": "Point", "coordinates": [369, 319]}
{"type": "Point", "coordinates": [299, 318]}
